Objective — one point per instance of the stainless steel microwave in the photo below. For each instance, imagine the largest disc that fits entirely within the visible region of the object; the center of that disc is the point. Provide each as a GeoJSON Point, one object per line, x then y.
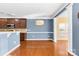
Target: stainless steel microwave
{"type": "Point", "coordinates": [10, 26]}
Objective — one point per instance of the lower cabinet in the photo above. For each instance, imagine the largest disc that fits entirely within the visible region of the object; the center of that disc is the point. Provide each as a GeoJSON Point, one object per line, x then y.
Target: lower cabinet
{"type": "Point", "coordinates": [23, 36]}
{"type": "Point", "coordinates": [8, 41]}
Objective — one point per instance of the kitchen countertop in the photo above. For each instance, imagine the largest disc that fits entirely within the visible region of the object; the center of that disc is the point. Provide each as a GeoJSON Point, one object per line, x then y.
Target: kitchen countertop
{"type": "Point", "coordinates": [14, 30]}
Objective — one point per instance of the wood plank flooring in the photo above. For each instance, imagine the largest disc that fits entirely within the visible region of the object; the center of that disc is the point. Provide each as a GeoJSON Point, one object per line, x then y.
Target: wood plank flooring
{"type": "Point", "coordinates": [41, 48]}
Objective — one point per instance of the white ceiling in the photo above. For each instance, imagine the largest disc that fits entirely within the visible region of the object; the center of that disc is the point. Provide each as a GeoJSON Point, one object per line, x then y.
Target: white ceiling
{"type": "Point", "coordinates": [29, 9]}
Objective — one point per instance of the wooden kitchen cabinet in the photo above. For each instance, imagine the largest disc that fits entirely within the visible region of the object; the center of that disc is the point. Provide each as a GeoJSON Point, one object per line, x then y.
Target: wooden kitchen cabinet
{"type": "Point", "coordinates": [21, 23]}
{"type": "Point", "coordinates": [3, 22]}
{"type": "Point", "coordinates": [18, 22]}
{"type": "Point", "coordinates": [22, 36]}
{"type": "Point", "coordinates": [10, 20]}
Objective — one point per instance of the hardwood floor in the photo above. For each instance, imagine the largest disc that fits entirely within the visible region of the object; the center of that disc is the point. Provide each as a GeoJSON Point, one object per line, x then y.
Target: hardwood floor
{"type": "Point", "coordinates": [41, 48]}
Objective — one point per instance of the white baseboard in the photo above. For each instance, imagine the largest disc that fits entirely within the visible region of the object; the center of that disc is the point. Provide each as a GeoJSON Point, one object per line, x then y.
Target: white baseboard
{"type": "Point", "coordinates": [11, 50]}
{"type": "Point", "coordinates": [39, 39]}
{"type": "Point", "coordinates": [55, 41]}
{"type": "Point", "coordinates": [72, 53]}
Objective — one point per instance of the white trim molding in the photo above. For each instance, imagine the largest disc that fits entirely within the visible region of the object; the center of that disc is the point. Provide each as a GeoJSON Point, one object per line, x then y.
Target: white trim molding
{"type": "Point", "coordinates": [70, 43]}
{"type": "Point", "coordinates": [40, 39]}
{"type": "Point", "coordinates": [39, 32]}
{"type": "Point", "coordinates": [11, 50]}
{"type": "Point", "coordinates": [55, 31]}
{"type": "Point", "coordinates": [72, 53]}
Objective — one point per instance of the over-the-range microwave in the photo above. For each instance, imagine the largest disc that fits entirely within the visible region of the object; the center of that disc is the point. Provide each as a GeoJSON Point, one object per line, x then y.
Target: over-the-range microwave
{"type": "Point", "coordinates": [10, 26]}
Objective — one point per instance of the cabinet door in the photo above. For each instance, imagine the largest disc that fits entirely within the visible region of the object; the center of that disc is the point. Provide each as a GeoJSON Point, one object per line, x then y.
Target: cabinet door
{"type": "Point", "coordinates": [21, 23]}
{"type": "Point", "coordinates": [22, 36]}
{"type": "Point", "coordinates": [3, 22]}
{"type": "Point", "coordinates": [13, 40]}
{"type": "Point", "coordinates": [3, 44]}
{"type": "Point", "coordinates": [10, 20]}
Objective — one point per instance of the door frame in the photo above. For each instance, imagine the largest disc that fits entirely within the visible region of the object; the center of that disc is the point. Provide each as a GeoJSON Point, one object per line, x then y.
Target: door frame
{"type": "Point", "coordinates": [55, 31]}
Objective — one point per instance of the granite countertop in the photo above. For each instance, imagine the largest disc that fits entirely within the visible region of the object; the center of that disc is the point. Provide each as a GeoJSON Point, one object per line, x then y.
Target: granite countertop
{"type": "Point", "coordinates": [14, 30]}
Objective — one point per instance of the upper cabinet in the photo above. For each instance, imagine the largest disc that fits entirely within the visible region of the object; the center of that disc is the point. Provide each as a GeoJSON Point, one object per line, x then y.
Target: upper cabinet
{"type": "Point", "coordinates": [3, 22]}
{"type": "Point", "coordinates": [10, 20]}
{"type": "Point", "coordinates": [18, 22]}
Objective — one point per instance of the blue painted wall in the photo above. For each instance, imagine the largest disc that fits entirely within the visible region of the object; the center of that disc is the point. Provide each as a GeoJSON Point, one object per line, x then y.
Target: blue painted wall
{"type": "Point", "coordinates": [39, 35]}
{"type": "Point", "coordinates": [75, 22]}
{"type": "Point", "coordinates": [47, 27]}
{"type": "Point", "coordinates": [32, 27]}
